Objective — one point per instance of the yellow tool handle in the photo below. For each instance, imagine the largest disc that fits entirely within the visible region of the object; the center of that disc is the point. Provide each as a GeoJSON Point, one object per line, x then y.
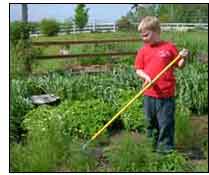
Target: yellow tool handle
{"type": "Point", "coordinates": [135, 97]}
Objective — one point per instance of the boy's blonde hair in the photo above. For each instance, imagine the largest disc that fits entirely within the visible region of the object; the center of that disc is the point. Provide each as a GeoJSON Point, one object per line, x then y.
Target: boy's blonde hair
{"type": "Point", "coordinates": [149, 23]}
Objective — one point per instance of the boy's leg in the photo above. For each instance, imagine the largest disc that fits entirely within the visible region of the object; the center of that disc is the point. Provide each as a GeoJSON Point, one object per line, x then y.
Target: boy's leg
{"type": "Point", "coordinates": [165, 116]}
{"type": "Point", "coordinates": [151, 120]}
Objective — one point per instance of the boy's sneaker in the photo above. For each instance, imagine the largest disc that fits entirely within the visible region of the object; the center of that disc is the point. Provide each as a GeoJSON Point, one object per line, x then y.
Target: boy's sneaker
{"type": "Point", "coordinates": [165, 151]}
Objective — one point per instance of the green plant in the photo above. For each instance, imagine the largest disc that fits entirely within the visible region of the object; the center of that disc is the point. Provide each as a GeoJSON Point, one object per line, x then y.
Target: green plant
{"type": "Point", "coordinates": [129, 155]}
{"type": "Point", "coordinates": [20, 105]}
{"type": "Point", "coordinates": [79, 161]}
{"type": "Point", "coordinates": [133, 117]}
{"type": "Point", "coordinates": [117, 87]}
{"type": "Point", "coordinates": [183, 129]}
{"type": "Point", "coordinates": [49, 27]}
{"type": "Point", "coordinates": [92, 114]}
{"type": "Point", "coordinates": [81, 16]}
{"type": "Point", "coordinates": [201, 167]}
{"type": "Point", "coordinates": [47, 147]}
{"type": "Point", "coordinates": [192, 87]}
{"type": "Point", "coordinates": [124, 24]}
{"type": "Point", "coordinates": [19, 31]}
{"type": "Point", "coordinates": [22, 56]}
{"type": "Point", "coordinates": [40, 154]}
{"type": "Point", "coordinates": [171, 12]}
{"type": "Point", "coordinates": [173, 162]}
{"type": "Point", "coordinates": [34, 26]}
{"type": "Point", "coordinates": [92, 61]}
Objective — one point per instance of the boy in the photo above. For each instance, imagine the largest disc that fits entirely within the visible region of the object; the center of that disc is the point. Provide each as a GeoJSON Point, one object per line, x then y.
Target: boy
{"type": "Point", "coordinates": [159, 104]}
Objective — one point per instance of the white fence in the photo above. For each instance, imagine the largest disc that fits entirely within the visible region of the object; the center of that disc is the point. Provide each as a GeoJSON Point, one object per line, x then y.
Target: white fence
{"type": "Point", "coordinates": [183, 26]}
{"type": "Point", "coordinates": [112, 27]}
{"type": "Point", "coordinates": [97, 27]}
{"type": "Point", "coordinates": [91, 27]}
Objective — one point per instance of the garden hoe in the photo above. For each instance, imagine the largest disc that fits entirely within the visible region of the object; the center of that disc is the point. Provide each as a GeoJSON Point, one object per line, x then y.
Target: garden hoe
{"type": "Point", "coordinates": [131, 101]}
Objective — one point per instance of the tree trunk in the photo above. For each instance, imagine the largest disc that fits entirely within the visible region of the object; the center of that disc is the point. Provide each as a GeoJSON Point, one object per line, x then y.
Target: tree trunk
{"type": "Point", "coordinates": [24, 13]}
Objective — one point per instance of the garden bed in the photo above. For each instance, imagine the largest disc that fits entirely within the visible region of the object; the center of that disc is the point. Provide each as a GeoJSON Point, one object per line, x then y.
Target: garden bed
{"type": "Point", "coordinates": [49, 138]}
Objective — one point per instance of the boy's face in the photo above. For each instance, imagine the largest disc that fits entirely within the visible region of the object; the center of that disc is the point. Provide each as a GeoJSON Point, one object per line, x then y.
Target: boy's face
{"type": "Point", "coordinates": [148, 36]}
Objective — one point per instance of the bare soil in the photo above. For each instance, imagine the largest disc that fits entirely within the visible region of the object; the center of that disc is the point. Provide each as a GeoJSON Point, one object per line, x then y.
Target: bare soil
{"type": "Point", "coordinates": [89, 68]}
{"type": "Point", "coordinates": [203, 57]}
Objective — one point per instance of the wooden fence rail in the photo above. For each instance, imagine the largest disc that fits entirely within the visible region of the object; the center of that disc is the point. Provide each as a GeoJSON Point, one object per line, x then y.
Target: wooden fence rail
{"type": "Point", "coordinates": [108, 54]}
{"type": "Point", "coordinates": [86, 55]}
{"type": "Point", "coordinates": [90, 55]}
{"type": "Point", "coordinates": [47, 43]}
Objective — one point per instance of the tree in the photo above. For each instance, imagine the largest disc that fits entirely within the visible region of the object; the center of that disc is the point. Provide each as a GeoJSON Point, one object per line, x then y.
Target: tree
{"type": "Point", "coordinates": [138, 11]}
{"type": "Point", "coordinates": [81, 16]}
{"type": "Point", "coordinates": [49, 27]}
{"type": "Point", "coordinates": [124, 24]}
{"type": "Point", "coordinates": [170, 12]}
{"type": "Point", "coordinates": [134, 7]}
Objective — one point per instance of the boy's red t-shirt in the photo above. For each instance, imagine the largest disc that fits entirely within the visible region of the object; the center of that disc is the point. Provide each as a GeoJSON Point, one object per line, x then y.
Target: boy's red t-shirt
{"type": "Point", "coordinates": [152, 59]}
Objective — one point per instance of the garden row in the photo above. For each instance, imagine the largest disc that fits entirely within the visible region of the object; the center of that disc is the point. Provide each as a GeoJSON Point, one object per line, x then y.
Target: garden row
{"type": "Point", "coordinates": [107, 90]}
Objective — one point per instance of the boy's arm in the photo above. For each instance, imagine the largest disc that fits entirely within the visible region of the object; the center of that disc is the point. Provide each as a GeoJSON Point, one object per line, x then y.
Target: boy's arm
{"type": "Point", "coordinates": [143, 76]}
{"type": "Point", "coordinates": [139, 66]}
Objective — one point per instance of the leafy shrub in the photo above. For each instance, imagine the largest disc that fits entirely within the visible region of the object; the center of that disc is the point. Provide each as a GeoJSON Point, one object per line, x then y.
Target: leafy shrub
{"type": "Point", "coordinates": [49, 27]}
{"type": "Point", "coordinates": [124, 24]}
{"type": "Point", "coordinates": [133, 117]}
{"type": "Point", "coordinates": [22, 56]}
{"type": "Point", "coordinates": [84, 118]}
{"type": "Point", "coordinates": [77, 121]}
{"type": "Point", "coordinates": [19, 31]}
{"type": "Point", "coordinates": [34, 26]}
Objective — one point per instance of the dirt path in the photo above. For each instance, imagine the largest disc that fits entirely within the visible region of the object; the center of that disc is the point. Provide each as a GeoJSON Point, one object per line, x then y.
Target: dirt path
{"type": "Point", "coordinates": [200, 122]}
